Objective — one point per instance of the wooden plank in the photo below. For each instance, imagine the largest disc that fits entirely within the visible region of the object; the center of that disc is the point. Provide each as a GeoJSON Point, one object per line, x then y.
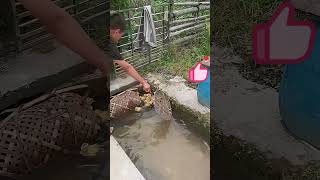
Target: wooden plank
{"type": "Point", "coordinates": [188, 10]}
{"type": "Point", "coordinates": [184, 39]}
{"type": "Point", "coordinates": [91, 8]}
{"type": "Point", "coordinates": [191, 3]}
{"type": "Point", "coordinates": [189, 19]}
{"type": "Point", "coordinates": [187, 29]}
{"type": "Point", "coordinates": [36, 19]}
{"type": "Point", "coordinates": [28, 13]}
{"type": "Point", "coordinates": [32, 33]}
{"type": "Point", "coordinates": [174, 28]}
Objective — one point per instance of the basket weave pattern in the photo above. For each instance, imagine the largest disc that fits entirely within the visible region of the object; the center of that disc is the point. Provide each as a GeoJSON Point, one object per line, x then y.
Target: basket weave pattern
{"type": "Point", "coordinates": [162, 105]}
{"type": "Point", "coordinates": [32, 136]}
{"type": "Point", "coordinates": [123, 103]}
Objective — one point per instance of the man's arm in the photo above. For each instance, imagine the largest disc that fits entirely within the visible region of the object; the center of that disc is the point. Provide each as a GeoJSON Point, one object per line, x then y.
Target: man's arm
{"type": "Point", "coordinates": [133, 73]}
{"type": "Point", "coordinates": [67, 30]}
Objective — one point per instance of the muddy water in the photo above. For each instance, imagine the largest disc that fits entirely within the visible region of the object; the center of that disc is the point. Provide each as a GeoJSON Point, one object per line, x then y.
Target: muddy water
{"type": "Point", "coordinates": [164, 150]}
{"type": "Point", "coordinates": [73, 168]}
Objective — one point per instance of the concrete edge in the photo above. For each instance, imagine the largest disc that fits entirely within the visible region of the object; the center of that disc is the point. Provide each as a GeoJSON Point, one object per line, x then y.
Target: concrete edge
{"type": "Point", "coordinates": [41, 85]}
{"type": "Point", "coordinates": [120, 84]}
{"type": "Point", "coordinates": [121, 166]}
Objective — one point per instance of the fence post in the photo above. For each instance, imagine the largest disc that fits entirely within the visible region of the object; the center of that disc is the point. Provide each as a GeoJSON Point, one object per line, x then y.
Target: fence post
{"type": "Point", "coordinates": [8, 38]}
{"type": "Point", "coordinates": [15, 24]}
{"type": "Point", "coordinates": [149, 49]}
{"type": "Point", "coordinates": [171, 3]}
{"type": "Point", "coordinates": [149, 53]}
{"type": "Point", "coordinates": [163, 29]}
{"type": "Point", "coordinates": [197, 19]}
{"type": "Point", "coordinates": [131, 39]}
{"type": "Point", "coordinates": [75, 8]}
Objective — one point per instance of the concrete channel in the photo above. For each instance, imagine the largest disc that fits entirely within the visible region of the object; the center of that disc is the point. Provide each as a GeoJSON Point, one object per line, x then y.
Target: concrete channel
{"type": "Point", "coordinates": [185, 104]}
{"type": "Point", "coordinates": [32, 74]}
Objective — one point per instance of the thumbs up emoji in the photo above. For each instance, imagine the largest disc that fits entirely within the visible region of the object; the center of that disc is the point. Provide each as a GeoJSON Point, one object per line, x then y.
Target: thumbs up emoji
{"type": "Point", "coordinates": [198, 74]}
{"type": "Point", "coordinates": [283, 40]}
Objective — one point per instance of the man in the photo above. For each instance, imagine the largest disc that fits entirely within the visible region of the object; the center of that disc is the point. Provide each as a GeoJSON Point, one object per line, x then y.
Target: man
{"type": "Point", "coordinates": [117, 27]}
{"type": "Point", "coordinates": [68, 31]}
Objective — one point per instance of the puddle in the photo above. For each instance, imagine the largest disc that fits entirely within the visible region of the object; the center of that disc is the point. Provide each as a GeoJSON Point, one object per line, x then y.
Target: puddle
{"type": "Point", "coordinates": [164, 150]}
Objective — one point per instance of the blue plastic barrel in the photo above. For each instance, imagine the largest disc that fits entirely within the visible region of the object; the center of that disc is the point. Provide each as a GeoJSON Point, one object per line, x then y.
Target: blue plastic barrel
{"type": "Point", "coordinates": [203, 91]}
{"type": "Point", "coordinates": [299, 98]}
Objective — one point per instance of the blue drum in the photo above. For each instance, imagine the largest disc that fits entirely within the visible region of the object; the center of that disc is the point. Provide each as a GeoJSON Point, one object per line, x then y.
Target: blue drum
{"type": "Point", "coordinates": [299, 98]}
{"type": "Point", "coordinates": [203, 91]}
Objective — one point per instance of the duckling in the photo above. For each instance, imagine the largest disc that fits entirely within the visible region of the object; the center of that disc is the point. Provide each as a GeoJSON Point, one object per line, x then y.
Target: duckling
{"type": "Point", "coordinates": [148, 105]}
{"type": "Point", "coordinates": [89, 150]}
{"type": "Point", "coordinates": [142, 98]}
{"type": "Point", "coordinates": [148, 99]}
{"type": "Point", "coordinates": [138, 109]}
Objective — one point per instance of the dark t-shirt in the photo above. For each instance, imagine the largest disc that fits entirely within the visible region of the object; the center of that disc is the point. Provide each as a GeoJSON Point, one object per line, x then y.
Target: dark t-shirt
{"type": "Point", "coordinates": [113, 51]}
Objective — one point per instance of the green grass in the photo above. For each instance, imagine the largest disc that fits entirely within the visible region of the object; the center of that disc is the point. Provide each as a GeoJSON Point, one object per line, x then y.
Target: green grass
{"type": "Point", "coordinates": [233, 23]}
{"type": "Point", "coordinates": [178, 60]}
{"type": "Point", "coordinates": [234, 19]}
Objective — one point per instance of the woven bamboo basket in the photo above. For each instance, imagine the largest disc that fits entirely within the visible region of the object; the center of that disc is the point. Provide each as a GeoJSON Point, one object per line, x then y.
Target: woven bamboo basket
{"type": "Point", "coordinates": [38, 131]}
{"type": "Point", "coordinates": [123, 103]}
{"type": "Point", "coordinates": [162, 105]}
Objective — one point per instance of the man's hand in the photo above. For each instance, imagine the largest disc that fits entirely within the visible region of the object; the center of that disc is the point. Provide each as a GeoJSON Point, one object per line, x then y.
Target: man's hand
{"type": "Point", "coordinates": [146, 87]}
{"type": "Point", "coordinates": [133, 73]}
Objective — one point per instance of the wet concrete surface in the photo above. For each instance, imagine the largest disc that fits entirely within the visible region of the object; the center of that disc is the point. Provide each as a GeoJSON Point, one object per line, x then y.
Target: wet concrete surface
{"type": "Point", "coordinates": [249, 111]}
{"type": "Point", "coordinates": [31, 74]}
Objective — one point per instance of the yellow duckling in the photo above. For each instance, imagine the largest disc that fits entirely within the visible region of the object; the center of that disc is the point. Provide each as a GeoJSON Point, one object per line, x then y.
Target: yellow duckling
{"type": "Point", "coordinates": [143, 98]}
{"type": "Point", "coordinates": [148, 104]}
{"type": "Point", "coordinates": [138, 109]}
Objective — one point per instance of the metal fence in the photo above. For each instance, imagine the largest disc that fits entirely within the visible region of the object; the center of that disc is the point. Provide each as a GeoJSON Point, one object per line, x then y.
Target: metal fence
{"type": "Point", "coordinates": [175, 23]}
{"type": "Point", "coordinates": [25, 31]}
